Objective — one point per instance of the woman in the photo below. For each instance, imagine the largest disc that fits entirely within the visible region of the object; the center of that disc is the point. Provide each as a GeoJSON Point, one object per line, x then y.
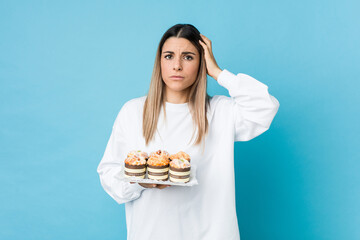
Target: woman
{"type": "Point", "coordinates": [178, 115]}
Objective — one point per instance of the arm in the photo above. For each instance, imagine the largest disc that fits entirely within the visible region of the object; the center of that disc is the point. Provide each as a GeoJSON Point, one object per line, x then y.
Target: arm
{"type": "Point", "coordinates": [112, 163]}
{"type": "Point", "coordinates": [254, 108]}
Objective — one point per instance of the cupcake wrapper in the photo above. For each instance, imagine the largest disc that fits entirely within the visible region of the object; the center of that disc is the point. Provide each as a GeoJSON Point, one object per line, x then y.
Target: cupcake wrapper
{"type": "Point", "coordinates": [179, 177]}
{"type": "Point", "coordinates": [134, 174]}
{"type": "Point", "coordinates": [180, 169]}
{"type": "Point", "coordinates": [158, 167]}
{"type": "Point", "coordinates": [135, 166]}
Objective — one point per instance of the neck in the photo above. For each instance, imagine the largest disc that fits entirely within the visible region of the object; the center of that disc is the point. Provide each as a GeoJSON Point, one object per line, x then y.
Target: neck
{"type": "Point", "coordinates": [176, 97]}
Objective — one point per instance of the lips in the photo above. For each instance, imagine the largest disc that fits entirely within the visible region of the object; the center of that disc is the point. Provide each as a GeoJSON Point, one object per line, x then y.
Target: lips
{"type": "Point", "coordinates": [177, 77]}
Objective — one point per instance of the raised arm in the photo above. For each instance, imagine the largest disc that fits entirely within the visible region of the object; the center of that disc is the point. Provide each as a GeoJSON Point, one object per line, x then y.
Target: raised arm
{"type": "Point", "coordinates": [253, 107]}
{"type": "Point", "coordinates": [112, 163]}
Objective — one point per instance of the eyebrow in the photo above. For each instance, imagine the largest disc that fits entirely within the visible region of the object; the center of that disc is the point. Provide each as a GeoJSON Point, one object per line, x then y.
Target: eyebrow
{"type": "Point", "coordinates": [182, 52]}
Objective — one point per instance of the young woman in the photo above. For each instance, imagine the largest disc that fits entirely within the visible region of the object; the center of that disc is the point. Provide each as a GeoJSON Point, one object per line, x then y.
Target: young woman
{"type": "Point", "coordinates": [177, 114]}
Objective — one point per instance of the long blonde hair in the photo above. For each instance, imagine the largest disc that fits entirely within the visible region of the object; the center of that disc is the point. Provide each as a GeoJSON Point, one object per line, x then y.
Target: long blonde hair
{"type": "Point", "coordinates": [198, 97]}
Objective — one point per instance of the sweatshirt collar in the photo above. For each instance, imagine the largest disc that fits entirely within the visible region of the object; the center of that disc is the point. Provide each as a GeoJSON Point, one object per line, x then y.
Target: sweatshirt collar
{"type": "Point", "coordinates": [177, 106]}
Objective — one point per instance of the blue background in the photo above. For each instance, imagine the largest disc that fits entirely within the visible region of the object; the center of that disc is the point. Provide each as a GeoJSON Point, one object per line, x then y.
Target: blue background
{"type": "Point", "coordinates": [67, 67]}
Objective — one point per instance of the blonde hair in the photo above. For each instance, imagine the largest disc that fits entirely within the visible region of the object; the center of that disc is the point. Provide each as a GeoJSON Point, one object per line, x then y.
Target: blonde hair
{"type": "Point", "coordinates": [198, 97]}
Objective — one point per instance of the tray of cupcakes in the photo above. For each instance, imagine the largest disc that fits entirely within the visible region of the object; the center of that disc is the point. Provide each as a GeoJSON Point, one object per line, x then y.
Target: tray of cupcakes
{"type": "Point", "coordinates": [159, 167]}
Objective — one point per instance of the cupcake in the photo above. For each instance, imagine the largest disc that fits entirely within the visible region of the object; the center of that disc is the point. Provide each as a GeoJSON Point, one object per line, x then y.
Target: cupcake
{"type": "Point", "coordinates": [160, 153]}
{"type": "Point", "coordinates": [158, 167]}
{"type": "Point", "coordinates": [181, 154]}
{"type": "Point", "coordinates": [139, 154]}
{"type": "Point", "coordinates": [179, 170]}
{"type": "Point", "coordinates": [135, 167]}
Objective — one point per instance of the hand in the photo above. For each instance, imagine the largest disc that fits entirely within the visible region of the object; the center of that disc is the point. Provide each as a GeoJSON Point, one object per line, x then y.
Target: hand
{"type": "Point", "coordinates": [151, 185]}
{"type": "Point", "coordinates": [211, 66]}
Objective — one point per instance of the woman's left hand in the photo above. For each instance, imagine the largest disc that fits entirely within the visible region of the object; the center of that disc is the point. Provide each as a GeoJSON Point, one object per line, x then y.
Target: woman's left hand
{"type": "Point", "coordinates": [211, 66]}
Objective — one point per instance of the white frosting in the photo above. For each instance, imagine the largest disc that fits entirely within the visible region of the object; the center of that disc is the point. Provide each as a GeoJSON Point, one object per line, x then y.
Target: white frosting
{"type": "Point", "coordinates": [134, 160]}
{"type": "Point", "coordinates": [163, 152]}
{"type": "Point", "coordinates": [179, 173]}
{"type": "Point", "coordinates": [130, 170]}
{"type": "Point", "coordinates": [180, 163]}
{"type": "Point", "coordinates": [157, 170]}
{"type": "Point", "coordinates": [179, 180]}
{"type": "Point", "coordinates": [142, 176]}
{"type": "Point", "coordinates": [158, 177]}
{"type": "Point", "coordinates": [138, 153]}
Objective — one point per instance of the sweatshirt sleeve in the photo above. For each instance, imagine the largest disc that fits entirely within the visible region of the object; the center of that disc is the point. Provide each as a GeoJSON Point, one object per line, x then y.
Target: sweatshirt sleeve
{"type": "Point", "coordinates": [253, 107]}
{"type": "Point", "coordinates": [112, 163]}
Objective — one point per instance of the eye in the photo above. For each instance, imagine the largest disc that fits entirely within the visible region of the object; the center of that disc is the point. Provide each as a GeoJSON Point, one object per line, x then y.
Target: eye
{"type": "Point", "coordinates": [190, 57]}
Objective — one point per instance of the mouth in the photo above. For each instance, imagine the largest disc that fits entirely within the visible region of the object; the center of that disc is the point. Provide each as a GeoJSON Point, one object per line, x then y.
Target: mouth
{"type": "Point", "coordinates": [176, 77]}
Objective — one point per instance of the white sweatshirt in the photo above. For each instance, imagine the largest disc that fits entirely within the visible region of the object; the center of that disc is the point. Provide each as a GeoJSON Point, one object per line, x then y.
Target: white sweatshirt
{"type": "Point", "coordinates": [204, 211]}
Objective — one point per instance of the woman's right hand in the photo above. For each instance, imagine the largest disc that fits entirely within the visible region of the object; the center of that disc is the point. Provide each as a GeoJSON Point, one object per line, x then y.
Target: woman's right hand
{"type": "Point", "coordinates": [151, 185]}
{"type": "Point", "coordinates": [147, 185]}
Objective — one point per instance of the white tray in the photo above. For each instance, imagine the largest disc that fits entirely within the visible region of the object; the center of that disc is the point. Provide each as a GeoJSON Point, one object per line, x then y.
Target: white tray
{"type": "Point", "coordinates": [192, 181]}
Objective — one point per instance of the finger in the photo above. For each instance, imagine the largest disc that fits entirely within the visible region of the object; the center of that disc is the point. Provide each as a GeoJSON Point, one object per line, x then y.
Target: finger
{"type": "Point", "coordinates": [161, 186]}
{"type": "Point", "coordinates": [206, 46]}
{"type": "Point", "coordinates": [202, 35]}
{"type": "Point", "coordinates": [206, 40]}
{"type": "Point", "coordinates": [203, 45]}
{"type": "Point", "coordinates": [202, 41]}
{"type": "Point", "coordinates": [148, 185]}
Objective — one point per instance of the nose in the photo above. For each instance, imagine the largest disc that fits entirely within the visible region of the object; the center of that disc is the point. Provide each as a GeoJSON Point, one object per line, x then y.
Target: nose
{"type": "Point", "coordinates": [177, 64]}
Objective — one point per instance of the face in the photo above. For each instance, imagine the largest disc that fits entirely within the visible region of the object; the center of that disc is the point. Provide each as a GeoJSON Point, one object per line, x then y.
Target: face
{"type": "Point", "coordinates": [179, 57]}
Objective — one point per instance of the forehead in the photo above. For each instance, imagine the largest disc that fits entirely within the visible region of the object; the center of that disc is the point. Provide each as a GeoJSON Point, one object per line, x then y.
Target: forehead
{"type": "Point", "coordinates": [178, 44]}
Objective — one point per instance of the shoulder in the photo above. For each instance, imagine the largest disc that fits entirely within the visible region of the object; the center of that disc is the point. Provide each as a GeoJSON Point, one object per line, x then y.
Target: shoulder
{"type": "Point", "coordinates": [130, 111]}
{"type": "Point", "coordinates": [220, 100]}
{"type": "Point", "coordinates": [219, 105]}
{"type": "Point", "coordinates": [134, 104]}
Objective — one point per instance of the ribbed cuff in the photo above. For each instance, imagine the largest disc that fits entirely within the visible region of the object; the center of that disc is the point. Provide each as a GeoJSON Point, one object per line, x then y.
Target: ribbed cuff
{"type": "Point", "coordinates": [225, 78]}
{"type": "Point", "coordinates": [136, 187]}
{"type": "Point", "coordinates": [240, 82]}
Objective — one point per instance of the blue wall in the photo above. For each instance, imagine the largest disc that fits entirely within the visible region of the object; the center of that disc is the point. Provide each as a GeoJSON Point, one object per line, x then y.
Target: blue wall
{"type": "Point", "coordinates": [66, 68]}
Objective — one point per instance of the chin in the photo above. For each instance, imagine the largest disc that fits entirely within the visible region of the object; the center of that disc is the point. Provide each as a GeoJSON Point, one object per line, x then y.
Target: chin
{"type": "Point", "coordinates": [176, 86]}
{"type": "Point", "coordinates": [177, 89]}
